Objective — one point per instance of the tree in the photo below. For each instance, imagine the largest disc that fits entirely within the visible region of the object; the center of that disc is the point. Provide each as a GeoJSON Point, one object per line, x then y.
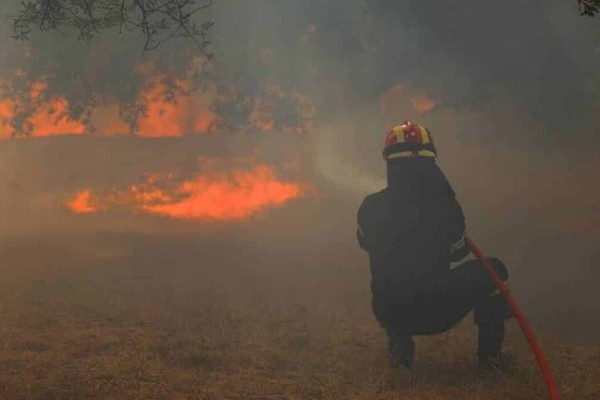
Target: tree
{"type": "Point", "coordinates": [589, 7]}
{"type": "Point", "coordinates": [157, 20]}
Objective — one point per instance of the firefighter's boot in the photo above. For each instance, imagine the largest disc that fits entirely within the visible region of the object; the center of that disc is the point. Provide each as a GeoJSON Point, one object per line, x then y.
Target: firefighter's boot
{"type": "Point", "coordinates": [489, 318]}
{"type": "Point", "coordinates": [401, 350]}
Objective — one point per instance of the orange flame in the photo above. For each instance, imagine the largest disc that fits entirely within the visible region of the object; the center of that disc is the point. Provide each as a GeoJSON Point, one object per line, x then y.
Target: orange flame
{"type": "Point", "coordinates": [37, 89]}
{"type": "Point", "coordinates": [82, 203]}
{"type": "Point", "coordinates": [167, 114]}
{"type": "Point", "coordinates": [166, 111]}
{"type": "Point", "coordinates": [173, 117]}
{"type": "Point", "coordinates": [219, 198]}
{"type": "Point", "coordinates": [51, 117]}
{"type": "Point", "coordinates": [213, 197]}
{"type": "Point", "coordinates": [7, 112]}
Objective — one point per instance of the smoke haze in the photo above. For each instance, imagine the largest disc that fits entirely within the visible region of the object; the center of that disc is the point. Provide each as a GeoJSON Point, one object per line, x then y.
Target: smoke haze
{"type": "Point", "coordinates": [510, 91]}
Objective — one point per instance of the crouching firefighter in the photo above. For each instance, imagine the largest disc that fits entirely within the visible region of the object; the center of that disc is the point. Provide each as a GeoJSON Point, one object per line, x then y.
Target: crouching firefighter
{"type": "Point", "coordinates": [414, 233]}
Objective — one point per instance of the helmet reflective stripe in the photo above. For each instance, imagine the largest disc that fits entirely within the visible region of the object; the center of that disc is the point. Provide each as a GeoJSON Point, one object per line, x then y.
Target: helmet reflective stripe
{"type": "Point", "coordinates": [403, 154]}
{"type": "Point", "coordinates": [426, 136]}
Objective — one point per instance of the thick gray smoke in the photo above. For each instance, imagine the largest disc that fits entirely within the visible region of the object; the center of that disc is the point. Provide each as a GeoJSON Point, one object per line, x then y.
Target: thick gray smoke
{"type": "Point", "coordinates": [509, 89]}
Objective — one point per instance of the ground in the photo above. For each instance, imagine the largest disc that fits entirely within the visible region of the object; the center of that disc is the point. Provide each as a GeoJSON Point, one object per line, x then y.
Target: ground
{"type": "Point", "coordinates": [127, 332]}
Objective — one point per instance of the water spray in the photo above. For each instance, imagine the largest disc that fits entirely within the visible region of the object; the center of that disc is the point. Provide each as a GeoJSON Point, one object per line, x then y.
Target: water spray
{"type": "Point", "coordinates": [516, 312]}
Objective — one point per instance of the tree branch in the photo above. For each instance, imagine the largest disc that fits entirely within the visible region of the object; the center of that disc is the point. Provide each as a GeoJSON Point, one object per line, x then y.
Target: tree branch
{"type": "Point", "coordinates": [589, 7]}
{"type": "Point", "coordinates": [158, 20]}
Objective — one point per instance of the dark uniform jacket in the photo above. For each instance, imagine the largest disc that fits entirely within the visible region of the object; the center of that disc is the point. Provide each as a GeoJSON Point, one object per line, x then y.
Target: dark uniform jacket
{"type": "Point", "coordinates": [412, 231]}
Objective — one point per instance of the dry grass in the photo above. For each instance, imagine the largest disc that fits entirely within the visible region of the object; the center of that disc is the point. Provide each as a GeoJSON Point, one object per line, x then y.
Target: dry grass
{"type": "Point", "coordinates": [119, 333]}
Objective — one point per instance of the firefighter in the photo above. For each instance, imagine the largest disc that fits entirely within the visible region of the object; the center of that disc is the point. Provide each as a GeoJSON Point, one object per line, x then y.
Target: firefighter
{"type": "Point", "coordinates": [414, 233]}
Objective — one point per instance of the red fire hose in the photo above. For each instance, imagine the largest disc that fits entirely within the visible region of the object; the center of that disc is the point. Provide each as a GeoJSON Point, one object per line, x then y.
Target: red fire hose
{"type": "Point", "coordinates": [516, 311]}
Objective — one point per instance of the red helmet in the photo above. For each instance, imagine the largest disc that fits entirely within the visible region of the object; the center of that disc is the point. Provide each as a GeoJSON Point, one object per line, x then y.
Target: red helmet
{"type": "Point", "coordinates": [408, 140]}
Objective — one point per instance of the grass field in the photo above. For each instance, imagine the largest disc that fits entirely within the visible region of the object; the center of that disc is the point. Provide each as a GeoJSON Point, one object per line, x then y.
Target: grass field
{"type": "Point", "coordinates": [131, 331]}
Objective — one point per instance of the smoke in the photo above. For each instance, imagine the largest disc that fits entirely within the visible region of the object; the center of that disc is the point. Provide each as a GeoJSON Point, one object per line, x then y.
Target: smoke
{"type": "Point", "coordinates": [510, 91]}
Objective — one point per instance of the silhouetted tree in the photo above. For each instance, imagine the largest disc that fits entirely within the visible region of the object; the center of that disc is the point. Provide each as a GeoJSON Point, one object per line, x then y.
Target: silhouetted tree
{"type": "Point", "coordinates": [157, 20]}
{"type": "Point", "coordinates": [589, 7]}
